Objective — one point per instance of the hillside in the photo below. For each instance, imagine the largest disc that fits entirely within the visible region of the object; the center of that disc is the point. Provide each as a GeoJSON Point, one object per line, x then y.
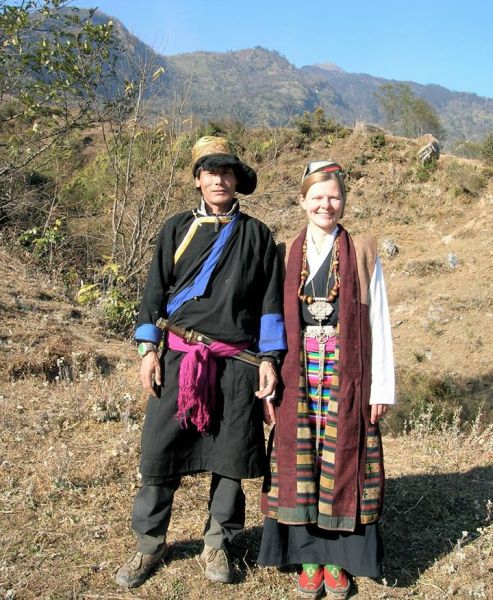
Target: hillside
{"type": "Point", "coordinates": [464, 116]}
{"type": "Point", "coordinates": [71, 406]}
{"type": "Point", "coordinates": [254, 86]}
{"type": "Point", "coordinates": [258, 86]}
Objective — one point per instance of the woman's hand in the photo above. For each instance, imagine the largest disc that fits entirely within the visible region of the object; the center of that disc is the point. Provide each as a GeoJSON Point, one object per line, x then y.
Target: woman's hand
{"type": "Point", "coordinates": [267, 385]}
{"type": "Point", "coordinates": [377, 411]}
{"type": "Point", "coordinates": [150, 370]}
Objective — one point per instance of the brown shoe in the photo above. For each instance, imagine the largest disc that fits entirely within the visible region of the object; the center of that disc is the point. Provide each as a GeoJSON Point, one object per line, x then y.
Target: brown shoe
{"type": "Point", "coordinates": [217, 566]}
{"type": "Point", "coordinates": [138, 569]}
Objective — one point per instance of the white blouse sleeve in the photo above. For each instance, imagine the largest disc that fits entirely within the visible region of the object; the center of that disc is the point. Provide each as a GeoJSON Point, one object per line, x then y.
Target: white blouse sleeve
{"type": "Point", "coordinates": [382, 369]}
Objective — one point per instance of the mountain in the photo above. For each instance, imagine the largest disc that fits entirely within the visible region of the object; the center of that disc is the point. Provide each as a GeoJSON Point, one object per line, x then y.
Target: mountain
{"type": "Point", "coordinates": [464, 115]}
{"type": "Point", "coordinates": [328, 66]}
{"type": "Point", "coordinates": [256, 86]}
{"type": "Point", "coordinates": [261, 87]}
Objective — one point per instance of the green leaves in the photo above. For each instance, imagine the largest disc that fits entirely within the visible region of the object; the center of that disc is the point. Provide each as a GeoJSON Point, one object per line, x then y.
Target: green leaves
{"type": "Point", "coordinates": [315, 125]}
{"type": "Point", "coordinates": [52, 64]}
{"type": "Point", "coordinates": [407, 114]}
{"type": "Point", "coordinates": [43, 242]}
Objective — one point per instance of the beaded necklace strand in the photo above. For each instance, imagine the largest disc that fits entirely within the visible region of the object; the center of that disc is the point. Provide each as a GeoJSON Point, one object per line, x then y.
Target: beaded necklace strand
{"type": "Point", "coordinates": [334, 267]}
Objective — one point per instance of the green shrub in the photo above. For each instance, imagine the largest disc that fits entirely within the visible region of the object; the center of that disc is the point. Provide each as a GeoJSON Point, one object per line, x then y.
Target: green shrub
{"type": "Point", "coordinates": [8, 110]}
{"type": "Point", "coordinates": [43, 242]}
{"type": "Point", "coordinates": [377, 140]}
{"type": "Point", "coordinates": [487, 149]}
{"type": "Point", "coordinates": [119, 312]}
{"type": "Point", "coordinates": [231, 129]}
{"type": "Point", "coordinates": [424, 171]}
{"type": "Point", "coordinates": [434, 402]}
{"type": "Point", "coordinates": [312, 126]}
{"type": "Point", "coordinates": [88, 293]}
{"type": "Point", "coordinates": [465, 178]}
{"type": "Point", "coordinates": [467, 149]}
{"type": "Point", "coordinates": [80, 194]}
{"type": "Point", "coordinates": [260, 150]}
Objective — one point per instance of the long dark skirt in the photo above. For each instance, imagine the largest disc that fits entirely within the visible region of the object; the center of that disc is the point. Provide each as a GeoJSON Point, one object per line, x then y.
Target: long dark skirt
{"type": "Point", "coordinates": [360, 553]}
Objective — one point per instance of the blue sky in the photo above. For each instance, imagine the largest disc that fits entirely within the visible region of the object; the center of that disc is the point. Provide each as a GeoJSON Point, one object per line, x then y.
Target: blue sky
{"type": "Point", "coordinates": [448, 42]}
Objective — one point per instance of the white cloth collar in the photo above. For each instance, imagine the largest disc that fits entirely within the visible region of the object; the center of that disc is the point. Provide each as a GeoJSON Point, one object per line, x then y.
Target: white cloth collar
{"type": "Point", "coordinates": [313, 256]}
{"type": "Point", "coordinates": [202, 212]}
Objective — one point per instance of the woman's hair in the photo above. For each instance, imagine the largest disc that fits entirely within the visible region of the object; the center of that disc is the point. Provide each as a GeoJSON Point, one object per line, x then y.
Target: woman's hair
{"type": "Point", "coordinates": [323, 176]}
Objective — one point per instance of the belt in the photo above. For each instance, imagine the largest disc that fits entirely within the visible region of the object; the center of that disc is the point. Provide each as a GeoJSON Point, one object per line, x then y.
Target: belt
{"type": "Point", "coordinates": [194, 337]}
{"type": "Point", "coordinates": [320, 332]}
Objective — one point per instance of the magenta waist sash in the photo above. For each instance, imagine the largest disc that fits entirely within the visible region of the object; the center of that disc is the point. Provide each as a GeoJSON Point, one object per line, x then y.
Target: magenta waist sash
{"type": "Point", "coordinates": [197, 379]}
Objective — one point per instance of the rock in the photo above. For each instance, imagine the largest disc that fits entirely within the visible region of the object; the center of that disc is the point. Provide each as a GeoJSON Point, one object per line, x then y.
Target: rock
{"type": "Point", "coordinates": [389, 248]}
{"type": "Point", "coordinates": [429, 152]}
{"type": "Point", "coordinates": [452, 261]}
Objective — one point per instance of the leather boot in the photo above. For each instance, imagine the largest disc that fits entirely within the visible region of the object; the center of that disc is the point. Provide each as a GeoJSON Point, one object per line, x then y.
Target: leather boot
{"type": "Point", "coordinates": [138, 569]}
{"type": "Point", "coordinates": [217, 564]}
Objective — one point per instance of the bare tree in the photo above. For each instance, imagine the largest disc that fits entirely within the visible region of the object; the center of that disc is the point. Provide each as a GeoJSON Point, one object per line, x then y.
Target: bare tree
{"type": "Point", "coordinates": [143, 155]}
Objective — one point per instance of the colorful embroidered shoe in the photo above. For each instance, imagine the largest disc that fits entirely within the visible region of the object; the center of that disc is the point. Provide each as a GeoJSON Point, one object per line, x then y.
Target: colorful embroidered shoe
{"type": "Point", "coordinates": [311, 582]}
{"type": "Point", "coordinates": [336, 582]}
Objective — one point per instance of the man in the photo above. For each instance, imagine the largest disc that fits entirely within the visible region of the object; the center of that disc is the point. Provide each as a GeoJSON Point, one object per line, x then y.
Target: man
{"type": "Point", "coordinates": [214, 285]}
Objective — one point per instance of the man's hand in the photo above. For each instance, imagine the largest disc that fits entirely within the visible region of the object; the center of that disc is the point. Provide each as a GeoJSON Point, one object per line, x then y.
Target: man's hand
{"type": "Point", "coordinates": [149, 369]}
{"type": "Point", "coordinates": [377, 411]}
{"type": "Point", "coordinates": [267, 385]}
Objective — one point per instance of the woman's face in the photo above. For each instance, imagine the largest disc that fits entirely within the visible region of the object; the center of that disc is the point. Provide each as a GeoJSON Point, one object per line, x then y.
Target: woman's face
{"type": "Point", "coordinates": [323, 204]}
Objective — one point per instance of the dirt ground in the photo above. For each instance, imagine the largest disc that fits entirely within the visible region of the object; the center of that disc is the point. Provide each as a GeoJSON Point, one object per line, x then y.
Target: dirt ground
{"type": "Point", "coordinates": [71, 412]}
{"type": "Point", "coordinates": [69, 472]}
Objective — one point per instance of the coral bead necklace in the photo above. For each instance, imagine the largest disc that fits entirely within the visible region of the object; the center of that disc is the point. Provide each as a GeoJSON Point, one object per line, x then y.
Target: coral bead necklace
{"type": "Point", "coordinates": [320, 307]}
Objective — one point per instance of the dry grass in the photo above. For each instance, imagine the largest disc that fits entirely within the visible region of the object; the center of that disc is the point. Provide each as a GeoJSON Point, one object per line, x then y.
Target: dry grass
{"type": "Point", "coordinates": [69, 471]}
{"type": "Point", "coordinates": [71, 412]}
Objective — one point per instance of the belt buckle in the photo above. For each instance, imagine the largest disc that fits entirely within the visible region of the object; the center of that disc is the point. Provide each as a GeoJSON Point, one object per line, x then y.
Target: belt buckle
{"type": "Point", "coordinates": [201, 338]}
{"type": "Point", "coordinates": [192, 337]}
{"type": "Point", "coordinates": [331, 331]}
{"type": "Point", "coordinates": [188, 335]}
{"type": "Point", "coordinates": [321, 333]}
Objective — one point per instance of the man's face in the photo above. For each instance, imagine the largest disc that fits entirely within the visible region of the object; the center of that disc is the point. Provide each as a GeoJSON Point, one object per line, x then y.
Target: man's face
{"type": "Point", "coordinates": [218, 188]}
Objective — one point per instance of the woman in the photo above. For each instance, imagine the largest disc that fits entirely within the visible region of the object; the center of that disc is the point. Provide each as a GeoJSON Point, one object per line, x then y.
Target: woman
{"type": "Point", "coordinates": [324, 494]}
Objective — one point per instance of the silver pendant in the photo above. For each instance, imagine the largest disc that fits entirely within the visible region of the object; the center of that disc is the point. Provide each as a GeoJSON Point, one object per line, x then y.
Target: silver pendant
{"type": "Point", "coordinates": [320, 309]}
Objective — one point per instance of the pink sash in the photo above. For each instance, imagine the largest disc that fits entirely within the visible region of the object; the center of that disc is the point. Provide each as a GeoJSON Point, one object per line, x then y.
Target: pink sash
{"type": "Point", "coordinates": [197, 380]}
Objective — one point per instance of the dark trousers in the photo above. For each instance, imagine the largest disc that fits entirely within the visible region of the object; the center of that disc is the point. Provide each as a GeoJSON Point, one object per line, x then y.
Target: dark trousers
{"type": "Point", "coordinates": [152, 512]}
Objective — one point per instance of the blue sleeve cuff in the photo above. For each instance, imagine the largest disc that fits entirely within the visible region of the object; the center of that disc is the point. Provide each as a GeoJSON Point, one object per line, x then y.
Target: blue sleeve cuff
{"type": "Point", "coordinates": [148, 333]}
{"type": "Point", "coordinates": [272, 333]}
